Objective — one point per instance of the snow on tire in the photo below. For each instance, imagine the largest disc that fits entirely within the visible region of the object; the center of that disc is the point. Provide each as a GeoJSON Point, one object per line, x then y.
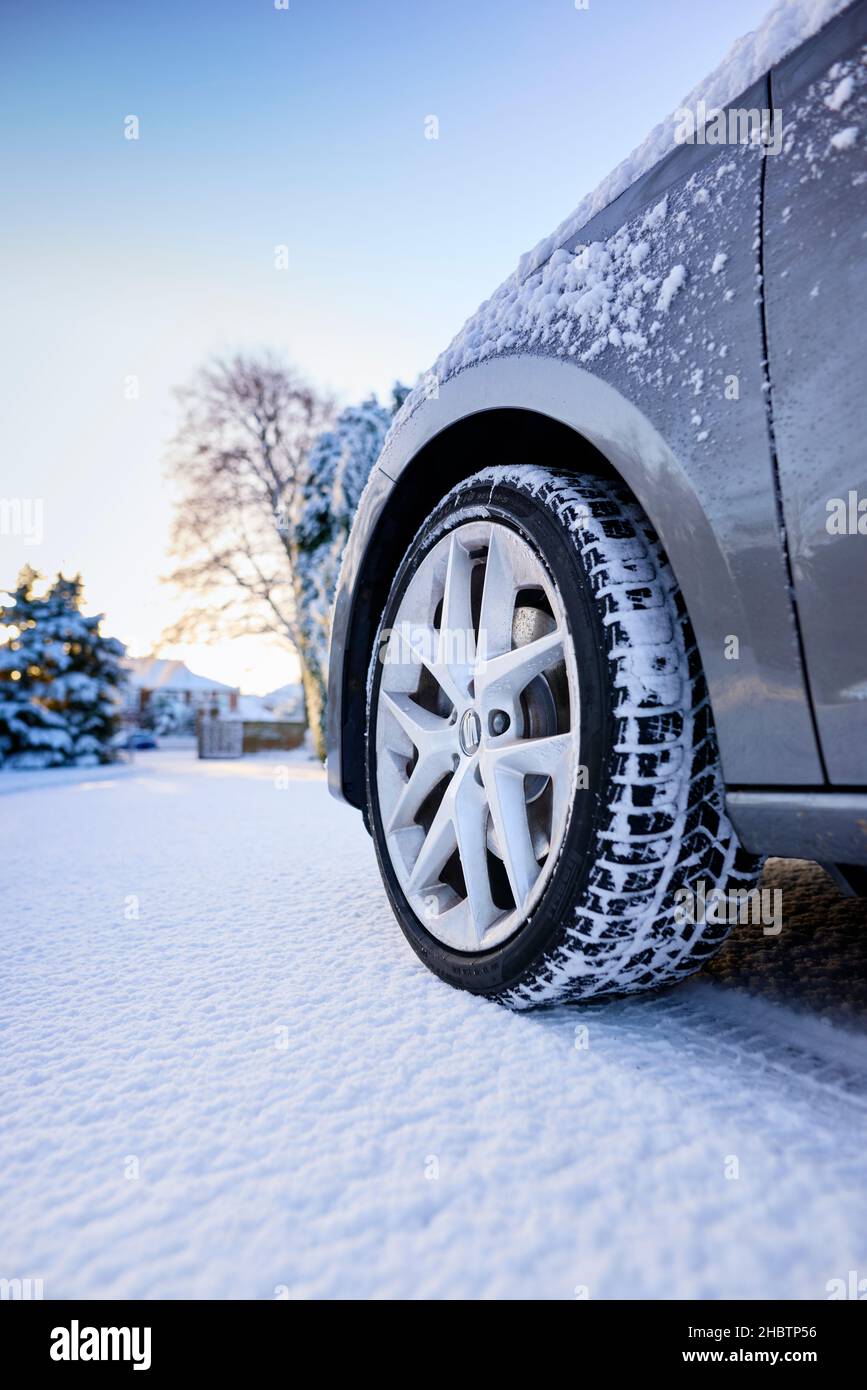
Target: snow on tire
{"type": "Point", "coordinates": [540, 799]}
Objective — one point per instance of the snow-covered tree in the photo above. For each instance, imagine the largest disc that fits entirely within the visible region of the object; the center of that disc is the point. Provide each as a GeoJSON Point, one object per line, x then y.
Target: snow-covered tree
{"type": "Point", "coordinates": [86, 682]}
{"type": "Point", "coordinates": [326, 498]}
{"type": "Point", "coordinates": [31, 733]}
{"type": "Point", "coordinates": [59, 678]}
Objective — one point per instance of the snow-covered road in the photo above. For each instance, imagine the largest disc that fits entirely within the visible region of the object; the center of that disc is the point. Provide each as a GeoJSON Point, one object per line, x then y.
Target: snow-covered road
{"type": "Point", "coordinates": [225, 1074]}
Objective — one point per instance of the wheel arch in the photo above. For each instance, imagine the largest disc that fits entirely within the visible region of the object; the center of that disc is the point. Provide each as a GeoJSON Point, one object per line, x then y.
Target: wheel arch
{"type": "Point", "coordinates": [522, 409]}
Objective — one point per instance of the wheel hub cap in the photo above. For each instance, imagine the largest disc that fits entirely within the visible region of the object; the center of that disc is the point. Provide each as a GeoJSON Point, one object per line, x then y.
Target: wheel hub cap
{"type": "Point", "coordinates": [471, 733]}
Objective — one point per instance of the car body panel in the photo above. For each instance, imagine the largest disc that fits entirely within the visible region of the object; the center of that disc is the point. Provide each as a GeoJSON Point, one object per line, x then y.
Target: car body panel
{"type": "Point", "coordinates": [830, 826]}
{"type": "Point", "coordinates": [815, 249]}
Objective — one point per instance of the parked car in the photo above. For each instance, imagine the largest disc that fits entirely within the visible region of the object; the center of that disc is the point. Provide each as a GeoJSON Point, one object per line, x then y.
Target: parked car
{"type": "Point", "coordinates": [138, 740]}
{"type": "Point", "coordinates": [600, 640]}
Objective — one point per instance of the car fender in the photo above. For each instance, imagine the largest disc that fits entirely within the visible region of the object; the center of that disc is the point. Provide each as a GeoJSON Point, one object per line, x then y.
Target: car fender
{"type": "Point", "coordinates": [757, 715]}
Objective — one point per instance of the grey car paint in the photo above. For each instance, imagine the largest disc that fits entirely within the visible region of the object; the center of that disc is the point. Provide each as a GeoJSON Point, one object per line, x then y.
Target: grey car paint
{"type": "Point", "coordinates": [816, 295]}
{"type": "Point", "coordinates": [698, 454]}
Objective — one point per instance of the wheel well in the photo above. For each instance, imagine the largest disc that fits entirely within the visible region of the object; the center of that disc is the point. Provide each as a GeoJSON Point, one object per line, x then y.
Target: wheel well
{"type": "Point", "coordinates": [511, 437]}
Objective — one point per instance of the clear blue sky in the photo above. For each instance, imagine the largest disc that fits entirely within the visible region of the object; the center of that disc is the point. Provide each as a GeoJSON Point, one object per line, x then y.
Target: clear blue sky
{"type": "Point", "coordinates": [258, 127]}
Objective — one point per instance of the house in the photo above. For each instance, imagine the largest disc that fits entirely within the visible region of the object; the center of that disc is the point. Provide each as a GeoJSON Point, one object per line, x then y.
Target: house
{"type": "Point", "coordinates": [152, 677]}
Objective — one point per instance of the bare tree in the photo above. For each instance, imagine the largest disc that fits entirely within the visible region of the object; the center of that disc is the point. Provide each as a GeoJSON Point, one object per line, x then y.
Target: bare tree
{"type": "Point", "coordinates": [238, 458]}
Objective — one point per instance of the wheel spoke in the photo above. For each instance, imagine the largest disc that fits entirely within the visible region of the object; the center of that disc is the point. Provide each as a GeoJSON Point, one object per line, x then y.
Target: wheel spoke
{"type": "Point", "coordinates": [471, 827]}
{"type": "Point", "coordinates": [425, 776]}
{"type": "Point", "coordinates": [421, 647]}
{"type": "Point", "coordinates": [457, 926]}
{"type": "Point", "coordinates": [507, 675]}
{"type": "Point", "coordinates": [438, 846]}
{"type": "Point", "coordinates": [422, 727]}
{"type": "Point", "coordinates": [457, 644]}
{"type": "Point", "coordinates": [498, 598]}
{"type": "Point", "coordinates": [552, 757]}
{"type": "Point", "coordinates": [506, 799]}
{"type": "Point", "coordinates": [432, 738]}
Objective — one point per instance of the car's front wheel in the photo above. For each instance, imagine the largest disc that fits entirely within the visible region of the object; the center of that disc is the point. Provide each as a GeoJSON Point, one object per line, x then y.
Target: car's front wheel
{"type": "Point", "coordinates": [542, 775]}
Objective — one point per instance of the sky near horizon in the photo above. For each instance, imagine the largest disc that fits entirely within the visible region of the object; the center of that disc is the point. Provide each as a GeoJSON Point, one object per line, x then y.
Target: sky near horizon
{"type": "Point", "coordinates": [261, 127]}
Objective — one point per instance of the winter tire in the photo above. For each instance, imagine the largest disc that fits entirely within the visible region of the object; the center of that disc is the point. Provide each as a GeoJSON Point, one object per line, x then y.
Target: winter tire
{"type": "Point", "coordinates": [542, 773]}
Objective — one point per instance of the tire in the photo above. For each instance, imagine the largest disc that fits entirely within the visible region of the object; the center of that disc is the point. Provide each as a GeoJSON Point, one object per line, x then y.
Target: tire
{"type": "Point", "coordinates": [645, 811]}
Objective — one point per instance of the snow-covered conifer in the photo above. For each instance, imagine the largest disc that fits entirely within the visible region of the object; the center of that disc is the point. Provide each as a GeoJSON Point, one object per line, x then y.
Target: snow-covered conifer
{"type": "Point", "coordinates": [59, 678]}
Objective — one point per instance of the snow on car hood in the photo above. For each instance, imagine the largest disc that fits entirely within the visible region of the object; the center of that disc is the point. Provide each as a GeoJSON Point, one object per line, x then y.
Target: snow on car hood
{"type": "Point", "coordinates": [786, 25]}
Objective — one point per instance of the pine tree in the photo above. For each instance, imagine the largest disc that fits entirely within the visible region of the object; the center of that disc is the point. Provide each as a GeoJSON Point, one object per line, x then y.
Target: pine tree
{"type": "Point", "coordinates": [31, 734]}
{"type": "Point", "coordinates": [59, 679]}
{"type": "Point", "coordinates": [88, 675]}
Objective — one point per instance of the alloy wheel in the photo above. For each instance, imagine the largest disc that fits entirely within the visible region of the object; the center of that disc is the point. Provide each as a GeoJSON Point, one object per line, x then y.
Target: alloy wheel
{"type": "Point", "coordinates": [477, 735]}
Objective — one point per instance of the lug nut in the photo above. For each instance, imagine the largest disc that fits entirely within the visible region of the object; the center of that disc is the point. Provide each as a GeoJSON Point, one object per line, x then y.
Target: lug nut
{"type": "Point", "coordinates": [499, 722]}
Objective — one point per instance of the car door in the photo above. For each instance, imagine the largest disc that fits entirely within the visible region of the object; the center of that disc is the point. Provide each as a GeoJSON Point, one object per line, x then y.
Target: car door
{"type": "Point", "coordinates": [815, 288]}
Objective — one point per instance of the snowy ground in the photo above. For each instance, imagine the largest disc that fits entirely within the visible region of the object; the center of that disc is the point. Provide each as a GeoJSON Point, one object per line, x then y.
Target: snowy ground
{"type": "Point", "coordinates": [310, 1112]}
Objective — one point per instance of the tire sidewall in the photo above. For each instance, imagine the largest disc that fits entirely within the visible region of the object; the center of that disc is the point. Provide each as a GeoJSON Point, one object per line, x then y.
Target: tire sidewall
{"type": "Point", "coordinates": [499, 969]}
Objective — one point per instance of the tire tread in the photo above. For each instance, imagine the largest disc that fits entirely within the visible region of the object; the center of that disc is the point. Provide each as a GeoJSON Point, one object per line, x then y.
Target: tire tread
{"type": "Point", "coordinates": [663, 824]}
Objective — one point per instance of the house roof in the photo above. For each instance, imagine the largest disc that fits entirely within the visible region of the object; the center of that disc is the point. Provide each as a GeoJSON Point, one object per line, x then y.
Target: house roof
{"type": "Point", "coordinates": [156, 673]}
{"type": "Point", "coordinates": [293, 691]}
